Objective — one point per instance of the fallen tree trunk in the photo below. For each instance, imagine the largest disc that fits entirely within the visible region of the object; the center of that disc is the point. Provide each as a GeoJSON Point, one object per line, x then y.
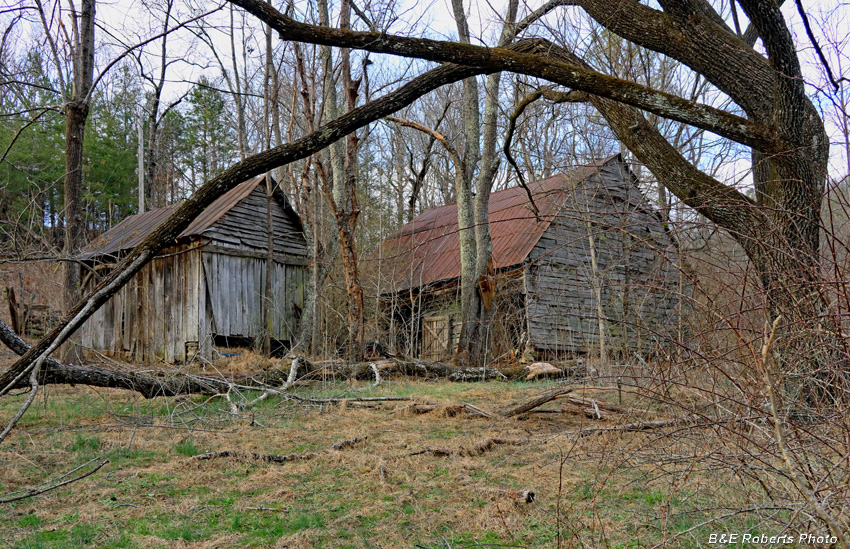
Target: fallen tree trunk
{"type": "Point", "coordinates": [54, 372]}
{"type": "Point", "coordinates": [407, 366]}
{"type": "Point", "coordinates": [537, 401]}
{"type": "Point", "coordinates": [588, 407]}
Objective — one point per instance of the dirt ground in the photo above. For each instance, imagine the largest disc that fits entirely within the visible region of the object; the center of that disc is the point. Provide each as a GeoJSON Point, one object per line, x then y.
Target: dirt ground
{"type": "Point", "coordinates": [447, 478]}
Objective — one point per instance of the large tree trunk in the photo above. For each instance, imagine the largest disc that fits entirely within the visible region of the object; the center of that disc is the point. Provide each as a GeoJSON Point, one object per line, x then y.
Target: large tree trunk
{"type": "Point", "coordinates": [464, 172]}
{"type": "Point", "coordinates": [345, 209]}
{"type": "Point", "coordinates": [76, 114]}
{"type": "Point", "coordinates": [477, 277]}
{"type": "Point", "coordinates": [75, 128]}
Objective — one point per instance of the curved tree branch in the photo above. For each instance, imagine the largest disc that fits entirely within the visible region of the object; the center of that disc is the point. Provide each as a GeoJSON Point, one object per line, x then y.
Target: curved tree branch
{"type": "Point", "coordinates": [551, 95]}
{"type": "Point", "coordinates": [529, 57]}
{"type": "Point", "coordinates": [790, 90]}
{"type": "Point", "coordinates": [697, 40]}
{"type": "Point", "coordinates": [434, 134]}
{"type": "Point", "coordinates": [720, 203]}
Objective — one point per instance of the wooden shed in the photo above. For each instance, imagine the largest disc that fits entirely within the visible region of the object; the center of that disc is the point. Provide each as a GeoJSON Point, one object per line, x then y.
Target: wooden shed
{"type": "Point", "coordinates": [207, 288]}
{"type": "Point", "coordinates": [546, 294]}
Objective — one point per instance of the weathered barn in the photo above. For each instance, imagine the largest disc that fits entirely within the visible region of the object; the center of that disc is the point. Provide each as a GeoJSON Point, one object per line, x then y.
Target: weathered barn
{"type": "Point", "coordinates": [206, 288]}
{"type": "Point", "coordinates": [547, 285]}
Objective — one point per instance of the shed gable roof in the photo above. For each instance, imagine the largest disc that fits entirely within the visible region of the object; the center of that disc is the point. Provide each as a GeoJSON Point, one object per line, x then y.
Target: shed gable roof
{"type": "Point", "coordinates": [427, 250]}
{"type": "Point", "coordinates": [132, 231]}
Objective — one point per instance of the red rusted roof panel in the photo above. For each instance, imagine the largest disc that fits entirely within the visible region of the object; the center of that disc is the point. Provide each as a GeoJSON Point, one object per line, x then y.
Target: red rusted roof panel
{"type": "Point", "coordinates": [133, 230]}
{"type": "Point", "coordinates": [427, 250]}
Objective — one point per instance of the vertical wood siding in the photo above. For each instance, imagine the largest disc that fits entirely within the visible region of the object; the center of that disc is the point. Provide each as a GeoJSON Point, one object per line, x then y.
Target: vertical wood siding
{"type": "Point", "coordinates": [188, 295]}
{"type": "Point", "coordinates": [153, 315]}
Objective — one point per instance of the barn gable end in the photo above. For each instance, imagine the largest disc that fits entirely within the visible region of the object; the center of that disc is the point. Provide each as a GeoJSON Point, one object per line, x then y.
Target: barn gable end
{"type": "Point", "coordinates": [243, 226]}
{"type": "Point", "coordinates": [545, 298]}
{"type": "Point", "coordinates": [636, 270]}
{"type": "Point", "coordinates": [209, 285]}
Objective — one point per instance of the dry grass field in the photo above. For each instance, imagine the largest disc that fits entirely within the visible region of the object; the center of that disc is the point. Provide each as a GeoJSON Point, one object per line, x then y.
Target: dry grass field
{"type": "Point", "coordinates": [447, 478]}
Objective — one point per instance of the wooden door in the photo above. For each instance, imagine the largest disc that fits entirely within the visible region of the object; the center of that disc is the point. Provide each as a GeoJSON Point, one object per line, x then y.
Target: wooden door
{"type": "Point", "coordinates": [436, 337]}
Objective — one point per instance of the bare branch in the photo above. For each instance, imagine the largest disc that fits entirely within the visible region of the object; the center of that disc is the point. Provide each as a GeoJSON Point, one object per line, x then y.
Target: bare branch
{"type": "Point", "coordinates": [530, 58]}
{"type": "Point", "coordinates": [835, 83]}
{"type": "Point", "coordinates": [434, 134]}
{"type": "Point", "coordinates": [25, 126]}
{"type": "Point", "coordinates": [129, 50]}
{"type": "Point", "coordinates": [555, 97]}
{"type": "Point", "coordinates": [37, 491]}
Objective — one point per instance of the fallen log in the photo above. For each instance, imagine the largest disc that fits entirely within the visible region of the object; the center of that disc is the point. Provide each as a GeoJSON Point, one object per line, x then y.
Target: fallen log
{"type": "Point", "coordinates": [449, 410]}
{"type": "Point", "coordinates": [591, 408]}
{"type": "Point", "coordinates": [54, 372]}
{"type": "Point", "coordinates": [542, 369]}
{"type": "Point", "coordinates": [537, 401]}
{"type": "Point", "coordinates": [482, 447]}
{"type": "Point", "coordinates": [278, 458]}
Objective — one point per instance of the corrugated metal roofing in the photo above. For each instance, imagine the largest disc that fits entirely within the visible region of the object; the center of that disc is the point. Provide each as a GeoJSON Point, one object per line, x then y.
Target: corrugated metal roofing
{"type": "Point", "coordinates": [133, 230]}
{"type": "Point", "coordinates": [427, 250]}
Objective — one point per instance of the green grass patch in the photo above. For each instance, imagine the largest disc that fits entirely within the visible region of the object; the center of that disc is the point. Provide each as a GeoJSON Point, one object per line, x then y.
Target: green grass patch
{"type": "Point", "coordinates": [186, 447]}
{"type": "Point", "coordinates": [83, 443]}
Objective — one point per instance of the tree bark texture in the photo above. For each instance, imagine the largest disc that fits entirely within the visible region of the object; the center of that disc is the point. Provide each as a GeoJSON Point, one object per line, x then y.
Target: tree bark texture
{"type": "Point", "coordinates": [76, 115]}
{"type": "Point", "coordinates": [483, 280]}
{"type": "Point", "coordinates": [464, 173]}
{"type": "Point", "coordinates": [347, 211]}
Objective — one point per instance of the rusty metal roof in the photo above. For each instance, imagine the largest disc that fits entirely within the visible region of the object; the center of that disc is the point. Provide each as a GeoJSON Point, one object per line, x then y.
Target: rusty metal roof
{"type": "Point", "coordinates": [427, 250]}
{"type": "Point", "coordinates": [130, 232]}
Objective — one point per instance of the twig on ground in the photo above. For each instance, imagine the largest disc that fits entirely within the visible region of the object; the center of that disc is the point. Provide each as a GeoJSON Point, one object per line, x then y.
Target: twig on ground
{"type": "Point", "coordinates": [31, 492]}
{"type": "Point", "coordinates": [477, 410]}
{"type": "Point", "coordinates": [482, 447]}
{"type": "Point", "coordinates": [276, 458]}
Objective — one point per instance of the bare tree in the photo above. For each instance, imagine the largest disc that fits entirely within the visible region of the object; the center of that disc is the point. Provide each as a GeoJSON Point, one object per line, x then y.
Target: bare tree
{"type": "Point", "coordinates": [81, 45]}
{"type": "Point", "coordinates": [153, 115]}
